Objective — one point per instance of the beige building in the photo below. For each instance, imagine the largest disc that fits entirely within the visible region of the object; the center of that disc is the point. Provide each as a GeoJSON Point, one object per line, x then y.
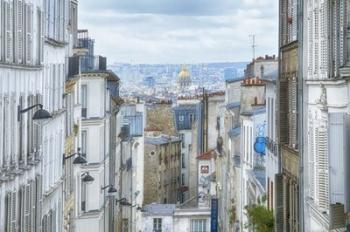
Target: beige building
{"type": "Point", "coordinates": [162, 169]}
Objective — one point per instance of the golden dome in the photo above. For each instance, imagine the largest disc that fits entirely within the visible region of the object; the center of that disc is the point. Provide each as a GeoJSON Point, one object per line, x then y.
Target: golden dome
{"type": "Point", "coordinates": [184, 73]}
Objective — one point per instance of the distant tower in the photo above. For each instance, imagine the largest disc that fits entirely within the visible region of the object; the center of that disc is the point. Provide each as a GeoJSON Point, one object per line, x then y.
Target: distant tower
{"type": "Point", "coordinates": [184, 78]}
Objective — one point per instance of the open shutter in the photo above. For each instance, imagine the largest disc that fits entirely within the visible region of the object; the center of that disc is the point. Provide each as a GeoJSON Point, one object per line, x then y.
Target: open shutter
{"type": "Point", "coordinates": [9, 31]}
{"type": "Point", "coordinates": [19, 32]}
{"type": "Point", "coordinates": [283, 106]}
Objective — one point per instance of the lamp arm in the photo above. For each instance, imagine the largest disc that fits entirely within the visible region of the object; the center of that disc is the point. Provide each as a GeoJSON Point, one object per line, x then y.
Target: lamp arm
{"type": "Point", "coordinates": [70, 156]}
{"type": "Point", "coordinates": [29, 108]}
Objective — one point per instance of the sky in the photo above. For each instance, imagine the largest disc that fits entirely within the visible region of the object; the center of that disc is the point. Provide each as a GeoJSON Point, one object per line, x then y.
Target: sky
{"type": "Point", "coordinates": [180, 31]}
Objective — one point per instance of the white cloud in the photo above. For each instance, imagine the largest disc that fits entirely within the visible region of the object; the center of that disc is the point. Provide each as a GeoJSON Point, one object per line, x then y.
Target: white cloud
{"type": "Point", "coordinates": [163, 37]}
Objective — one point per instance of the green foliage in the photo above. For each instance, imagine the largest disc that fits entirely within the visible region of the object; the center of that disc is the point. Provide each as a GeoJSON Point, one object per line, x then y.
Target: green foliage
{"type": "Point", "coordinates": [261, 219]}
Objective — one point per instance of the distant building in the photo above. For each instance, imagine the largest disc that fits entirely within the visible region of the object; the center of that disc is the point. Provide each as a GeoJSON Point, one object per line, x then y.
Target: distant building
{"type": "Point", "coordinates": [184, 79]}
{"type": "Point", "coordinates": [171, 218]}
{"type": "Point", "coordinates": [162, 165]}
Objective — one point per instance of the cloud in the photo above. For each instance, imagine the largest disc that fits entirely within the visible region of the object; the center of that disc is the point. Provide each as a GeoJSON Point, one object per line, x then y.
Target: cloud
{"type": "Point", "coordinates": [160, 31]}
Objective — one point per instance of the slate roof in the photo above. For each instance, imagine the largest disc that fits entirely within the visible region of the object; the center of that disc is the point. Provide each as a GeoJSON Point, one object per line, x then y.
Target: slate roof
{"type": "Point", "coordinates": [159, 209]}
{"type": "Point", "coordinates": [233, 105]}
{"type": "Point", "coordinates": [162, 139]}
{"type": "Point", "coordinates": [234, 132]}
{"type": "Point", "coordinates": [256, 110]}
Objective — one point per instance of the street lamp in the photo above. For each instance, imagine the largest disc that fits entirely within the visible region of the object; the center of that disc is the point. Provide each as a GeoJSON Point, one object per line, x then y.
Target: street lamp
{"type": "Point", "coordinates": [39, 115]}
{"type": "Point", "coordinates": [87, 178]}
{"type": "Point", "coordinates": [111, 190]}
{"type": "Point", "coordinates": [78, 160]}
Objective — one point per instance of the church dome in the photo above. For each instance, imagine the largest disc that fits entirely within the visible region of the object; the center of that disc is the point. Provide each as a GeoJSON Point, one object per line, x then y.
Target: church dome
{"type": "Point", "coordinates": [184, 77]}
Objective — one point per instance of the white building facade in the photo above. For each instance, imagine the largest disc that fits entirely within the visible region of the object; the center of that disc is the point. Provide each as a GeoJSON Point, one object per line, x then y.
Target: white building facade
{"type": "Point", "coordinates": [326, 120]}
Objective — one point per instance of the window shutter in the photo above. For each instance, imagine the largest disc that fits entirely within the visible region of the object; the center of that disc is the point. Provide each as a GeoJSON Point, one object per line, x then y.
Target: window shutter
{"type": "Point", "coordinates": [38, 202]}
{"type": "Point", "coordinates": [8, 199]}
{"type": "Point", "coordinates": [21, 194]}
{"type": "Point", "coordinates": [1, 123]}
{"type": "Point", "coordinates": [311, 157]}
{"type": "Point", "coordinates": [32, 205]}
{"type": "Point", "coordinates": [29, 32]}
{"type": "Point", "coordinates": [294, 20]}
{"type": "Point", "coordinates": [19, 32]}
{"type": "Point", "coordinates": [27, 209]}
{"type": "Point", "coordinates": [322, 166]}
{"type": "Point", "coordinates": [279, 202]}
{"type": "Point", "coordinates": [292, 111]}
{"type": "Point", "coordinates": [1, 23]}
{"type": "Point", "coordinates": [9, 31]}
{"type": "Point", "coordinates": [14, 212]}
{"type": "Point", "coordinates": [283, 106]}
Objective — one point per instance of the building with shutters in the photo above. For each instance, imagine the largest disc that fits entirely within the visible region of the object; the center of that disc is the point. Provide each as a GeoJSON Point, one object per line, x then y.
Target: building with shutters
{"type": "Point", "coordinates": [130, 164]}
{"type": "Point", "coordinates": [33, 51]}
{"type": "Point", "coordinates": [162, 165]}
{"type": "Point", "coordinates": [98, 111]}
{"type": "Point", "coordinates": [290, 85]}
{"type": "Point", "coordinates": [326, 115]}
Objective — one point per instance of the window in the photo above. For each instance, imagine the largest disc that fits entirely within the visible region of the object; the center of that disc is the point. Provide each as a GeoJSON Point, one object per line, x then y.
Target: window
{"type": "Point", "coordinates": [198, 225]}
{"type": "Point", "coordinates": [83, 196]}
{"type": "Point", "coordinates": [157, 224]}
{"type": "Point", "coordinates": [183, 179]}
{"type": "Point", "coordinates": [191, 118]}
{"type": "Point", "coordinates": [182, 136]}
{"type": "Point", "coordinates": [83, 100]}
{"type": "Point", "coordinates": [183, 161]}
{"type": "Point", "coordinates": [83, 142]}
{"type": "Point", "coordinates": [181, 118]}
{"type": "Point", "coordinates": [125, 225]}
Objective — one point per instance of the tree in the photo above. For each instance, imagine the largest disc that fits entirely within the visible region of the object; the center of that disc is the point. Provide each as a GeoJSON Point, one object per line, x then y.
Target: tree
{"type": "Point", "coordinates": [260, 218]}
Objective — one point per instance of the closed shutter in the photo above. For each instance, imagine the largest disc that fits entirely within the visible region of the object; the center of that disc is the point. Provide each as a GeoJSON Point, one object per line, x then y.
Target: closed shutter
{"type": "Point", "coordinates": [311, 157]}
{"type": "Point", "coordinates": [294, 20]}
{"type": "Point", "coordinates": [324, 39]}
{"type": "Point", "coordinates": [1, 33]}
{"type": "Point", "coordinates": [21, 201]}
{"type": "Point", "coordinates": [6, 132]}
{"type": "Point", "coordinates": [29, 33]}
{"type": "Point", "coordinates": [292, 111]}
{"type": "Point", "coordinates": [279, 202]}
{"type": "Point", "coordinates": [8, 203]}
{"type": "Point", "coordinates": [32, 206]}
{"type": "Point", "coordinates": [40, 37]}
{"type": "Point", "coordinates": [38, 201]}
{"type": "Point", "coordinates": [322, 166]}
{"type": "Point", "coordinates": [2, 125]}
{"type": "Point", "coordinates": [19, 31]}
{"type": "Point", "coordinates": [27, 209]}
{"type": "Point", "coordinates": [310, 43]}
{"type": "Point", "coordinates": [14, 212]}
{"type": "Point", "coordinates": [9, 31]}
{"type": "Point", "coordinates": [346, 162]}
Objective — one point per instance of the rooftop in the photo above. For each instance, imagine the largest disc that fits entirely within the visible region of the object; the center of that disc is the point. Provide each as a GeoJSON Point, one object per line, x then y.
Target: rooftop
{"type": "Point", "coordinates": [162, 139]}
{"type": "Point", "coordinates": [159, 209]}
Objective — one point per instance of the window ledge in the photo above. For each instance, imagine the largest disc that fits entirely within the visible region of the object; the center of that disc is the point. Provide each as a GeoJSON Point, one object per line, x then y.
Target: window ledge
{"type": "Point", "coordinates": [20, 66]}
{"type": "Point", "coordinates": [54, 42]}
